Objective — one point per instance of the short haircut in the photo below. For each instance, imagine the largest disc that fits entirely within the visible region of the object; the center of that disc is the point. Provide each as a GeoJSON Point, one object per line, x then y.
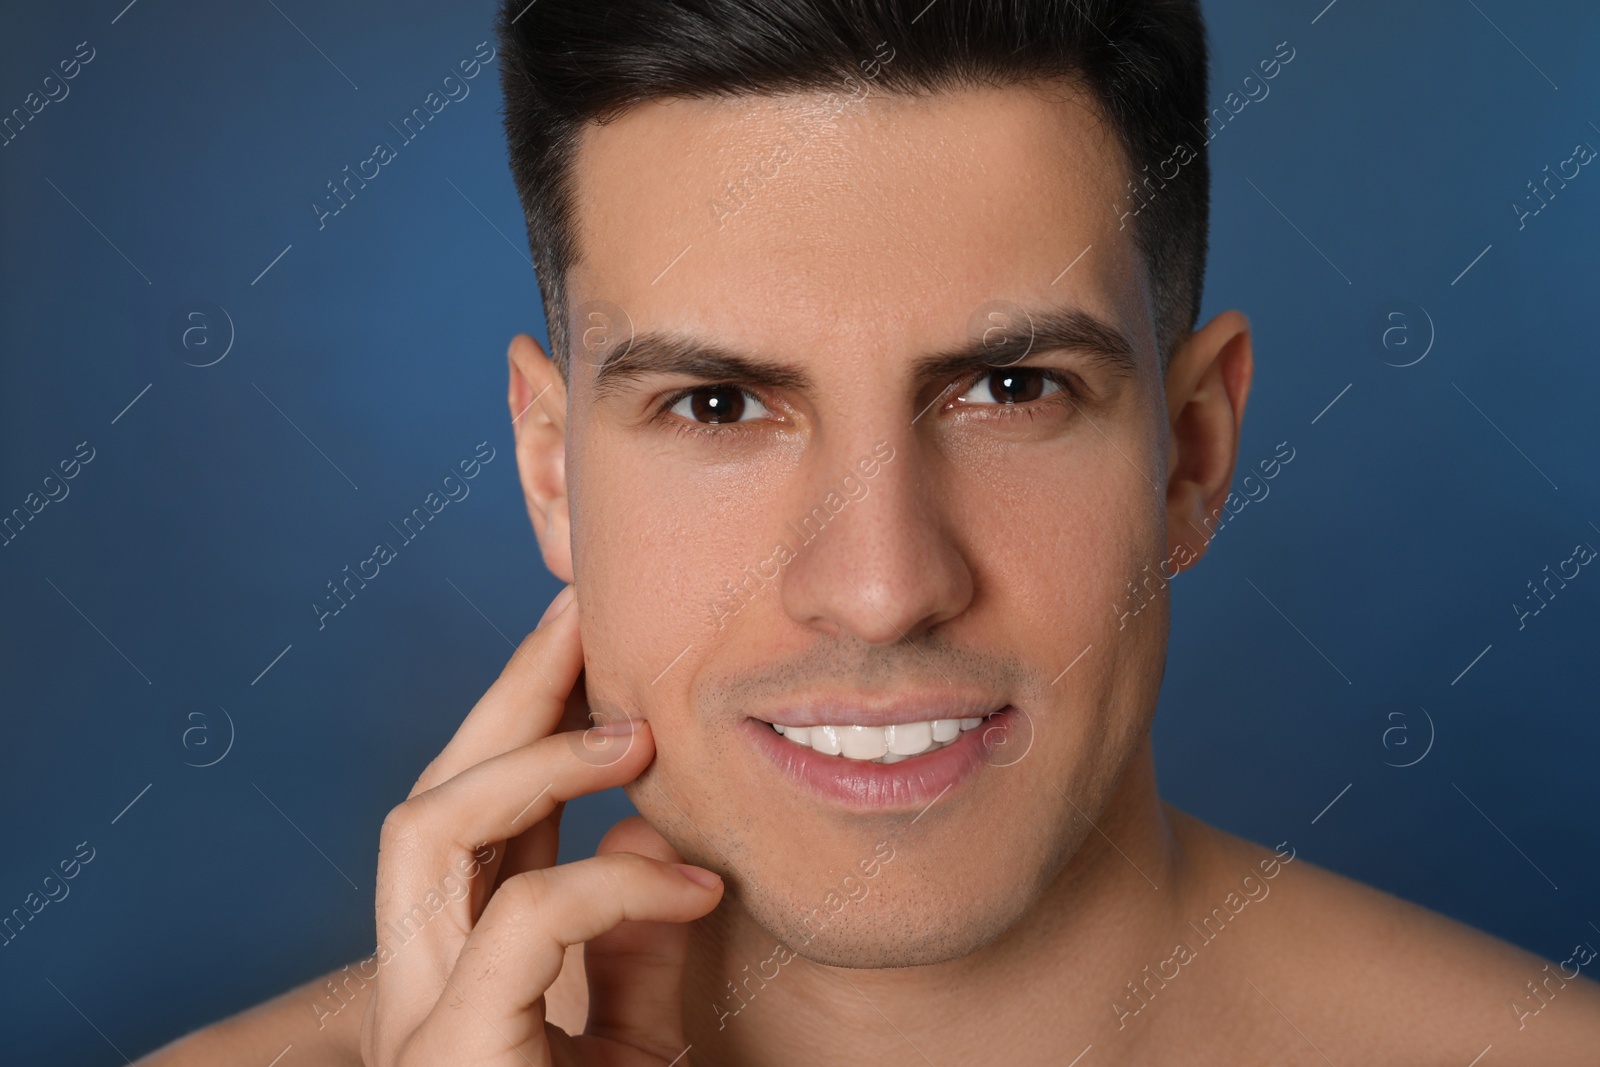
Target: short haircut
{"type": "Point", "coordinates": [567, 63]}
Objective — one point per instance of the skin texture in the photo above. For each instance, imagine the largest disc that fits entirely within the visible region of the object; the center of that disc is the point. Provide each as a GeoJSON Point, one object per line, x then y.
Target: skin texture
{"type": "Point", "coordinates": [985, 557]}
{"type": "Point", "coordinates": [933, 578]}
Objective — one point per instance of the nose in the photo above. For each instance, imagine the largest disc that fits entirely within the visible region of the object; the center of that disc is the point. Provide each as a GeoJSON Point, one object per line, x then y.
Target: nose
{"type": "Point", "coordinates": [879, 561]}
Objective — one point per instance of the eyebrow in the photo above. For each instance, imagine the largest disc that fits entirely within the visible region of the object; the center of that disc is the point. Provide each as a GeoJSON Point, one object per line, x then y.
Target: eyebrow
{"type": "Point", "coordinates": [1053, 329]}
{"type": "Point", "coordinates": [660, 352]}
{"type": "Point", "coordinates": [1050, 330]}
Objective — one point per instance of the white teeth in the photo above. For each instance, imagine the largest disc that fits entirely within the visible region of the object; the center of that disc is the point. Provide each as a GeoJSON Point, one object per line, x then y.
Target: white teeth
{"type": "Point", "coordinates": [862, 742]}
{"type": "Point", "coordinates": [881, 744]}
{"type": "Point", "coordinates": [909, 738]}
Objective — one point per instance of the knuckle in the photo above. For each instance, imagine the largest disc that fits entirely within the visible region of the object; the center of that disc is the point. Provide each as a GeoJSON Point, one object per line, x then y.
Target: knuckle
{"type": "Point", "coordinates": [531, 887]}
{"type": "Point", "coordinates": [429, 776]}
{"type": "Point", "coordinates": [526, 893]}
{"type": "Point", "coordinates": [624, 869]}
{"type": "Point", "coordinates": [620, 864]}
{"type": "Point", "coordinates": [612, 879]}
{"type": "Point", "coordinates": [403, 827]}
{"type": "Point", "coordinates": [529, 642]}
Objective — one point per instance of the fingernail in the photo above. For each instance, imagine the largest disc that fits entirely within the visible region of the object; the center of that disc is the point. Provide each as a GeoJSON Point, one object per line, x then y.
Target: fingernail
{"type": "Point", "coordinates": [616, 727]}
{"type": "Point", "coordinates": [699, 876]}
{"type": "Point", "coordinates": [557, 606]}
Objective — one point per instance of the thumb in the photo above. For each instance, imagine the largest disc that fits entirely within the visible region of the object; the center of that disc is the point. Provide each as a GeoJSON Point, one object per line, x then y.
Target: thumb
{"type": "Point", "coordinates": [635, 971]}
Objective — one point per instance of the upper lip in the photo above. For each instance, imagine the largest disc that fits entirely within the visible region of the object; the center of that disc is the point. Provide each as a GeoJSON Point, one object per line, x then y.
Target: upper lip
{"type": "Point", "coordinates": [880, 709]}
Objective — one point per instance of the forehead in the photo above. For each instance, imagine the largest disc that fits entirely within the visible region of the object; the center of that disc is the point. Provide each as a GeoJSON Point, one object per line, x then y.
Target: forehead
{"type": "Point", "coordinates": [814, 224]}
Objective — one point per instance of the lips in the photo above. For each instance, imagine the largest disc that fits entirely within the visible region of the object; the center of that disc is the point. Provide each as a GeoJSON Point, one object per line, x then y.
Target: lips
{"type": "Point", "coordinates": [861, 775]}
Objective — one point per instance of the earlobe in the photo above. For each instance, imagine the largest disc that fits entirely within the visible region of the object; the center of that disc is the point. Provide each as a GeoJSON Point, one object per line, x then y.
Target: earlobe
{"type": "Point", "coordinates": [1208, 383]}
{"type": "Point", "coordinates": [537, 397]}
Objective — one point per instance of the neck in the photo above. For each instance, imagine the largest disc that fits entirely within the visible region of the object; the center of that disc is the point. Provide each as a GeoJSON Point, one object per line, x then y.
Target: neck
{"type": "Point", "coordinates": [1069, 967]}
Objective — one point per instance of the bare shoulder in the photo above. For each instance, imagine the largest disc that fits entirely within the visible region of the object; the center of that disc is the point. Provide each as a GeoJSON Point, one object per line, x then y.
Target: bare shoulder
{"type": "Point", "coordinates": [1379, 979]}
{"type": "Point", "coordinates": [320, 1020]}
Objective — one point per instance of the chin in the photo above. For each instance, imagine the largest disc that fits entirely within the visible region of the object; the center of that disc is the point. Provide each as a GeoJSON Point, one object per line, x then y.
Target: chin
{"type": "Point", "coordinates": [865, 899]}
{"type": "Point", "coordinates": [875, 934]}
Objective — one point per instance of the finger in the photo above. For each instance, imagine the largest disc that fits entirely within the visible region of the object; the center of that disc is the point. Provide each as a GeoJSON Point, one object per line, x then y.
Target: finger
{"type": "Point", "coordinates": [431, 870]}
{"type": "Point", "coordinates": [525, 702]}
{"type": "Point", "coordinates": [536, 847]}
{"type": "Point", "coordinates": [502, 722]}
{"type": "Point", "coordinates": [635, 971]}
{"type": "Point", "coordinates": [507, 795]}
{"type": "Point", "coordinates": [634, 834]}
{"type": "Point", "coordinates": [516, 950]}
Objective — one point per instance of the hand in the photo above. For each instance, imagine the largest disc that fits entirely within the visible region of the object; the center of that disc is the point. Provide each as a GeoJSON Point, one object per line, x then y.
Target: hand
{"type": "Point", "coordinates": [473, 915]}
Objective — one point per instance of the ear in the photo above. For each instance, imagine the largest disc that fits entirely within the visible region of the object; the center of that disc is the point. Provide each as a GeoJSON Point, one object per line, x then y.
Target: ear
{"type": "Point", "coordinates": [1208, 382]}
{"type": "Point", "coordinates": [538, 400]}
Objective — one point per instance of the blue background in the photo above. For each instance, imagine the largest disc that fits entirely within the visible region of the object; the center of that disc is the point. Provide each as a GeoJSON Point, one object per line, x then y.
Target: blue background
{"type": "Point", "coordinates": [1384, 560]}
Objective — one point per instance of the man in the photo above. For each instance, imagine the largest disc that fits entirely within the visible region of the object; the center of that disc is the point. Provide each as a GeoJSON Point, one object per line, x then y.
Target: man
{"type": "Point", "coordinates": [877, 424]}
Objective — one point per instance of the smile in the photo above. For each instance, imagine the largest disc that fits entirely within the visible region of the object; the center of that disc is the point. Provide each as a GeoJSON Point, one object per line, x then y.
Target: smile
{"type": "Point", "coordinates": [882, 766]}
{"type": "Point", "coordinates": [878, 744]}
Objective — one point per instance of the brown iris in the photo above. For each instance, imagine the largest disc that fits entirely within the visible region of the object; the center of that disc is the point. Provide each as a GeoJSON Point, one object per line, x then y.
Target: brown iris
{"type": "Point", "coordinates": [716, 403]}
{"type": "Point", "coordinates": [1012, 386]}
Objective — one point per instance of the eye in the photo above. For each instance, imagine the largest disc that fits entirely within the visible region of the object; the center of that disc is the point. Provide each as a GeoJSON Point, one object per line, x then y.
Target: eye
{"type": "Point", "coordinates": [714, 404]}
{"type": "Point", "coordinates": [1011, 385]}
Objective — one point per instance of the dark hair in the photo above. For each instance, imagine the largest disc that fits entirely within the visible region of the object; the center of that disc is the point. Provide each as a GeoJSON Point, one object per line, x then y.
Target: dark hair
{"type": "Point", "coordinates": [565, 63]}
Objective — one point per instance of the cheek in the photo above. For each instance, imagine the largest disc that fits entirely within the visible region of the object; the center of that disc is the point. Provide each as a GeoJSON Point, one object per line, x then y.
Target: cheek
{"type": "Point", "coordinates": [661, 545]}
{"type": "Point", "coordinates": [1060, 548]}
{"type": "Point", "coordinates": [1056, 552]}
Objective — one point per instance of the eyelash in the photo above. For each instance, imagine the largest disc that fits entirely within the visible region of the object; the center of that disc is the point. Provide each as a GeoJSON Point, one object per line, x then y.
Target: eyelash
{"type": "Point", "coordinates": [702, 430]}
{"type": "Point", "coordinates": [1069, 394]}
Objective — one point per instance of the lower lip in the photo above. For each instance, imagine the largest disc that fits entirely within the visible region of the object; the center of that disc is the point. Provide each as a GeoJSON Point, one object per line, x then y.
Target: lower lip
{"type": "Point", "coordinates": [911, 784]}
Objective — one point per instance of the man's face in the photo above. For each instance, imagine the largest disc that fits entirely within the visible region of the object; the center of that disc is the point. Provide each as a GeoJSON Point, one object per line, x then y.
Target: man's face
{"type": "Point", "coordinates": [869, 537]}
